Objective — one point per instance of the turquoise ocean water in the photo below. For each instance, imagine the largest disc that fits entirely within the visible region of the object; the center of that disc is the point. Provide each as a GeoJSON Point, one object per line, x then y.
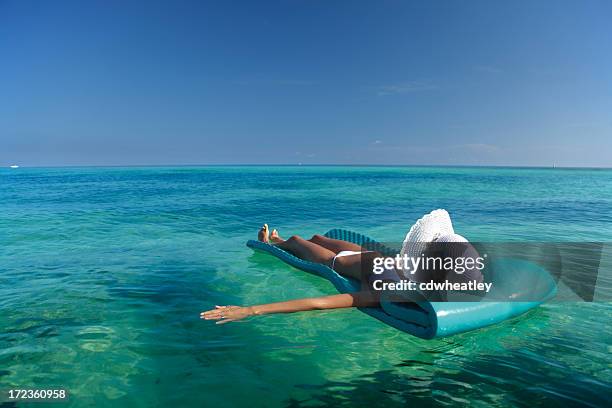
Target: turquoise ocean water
{"type": "Point", "coordinates": [104, 271]}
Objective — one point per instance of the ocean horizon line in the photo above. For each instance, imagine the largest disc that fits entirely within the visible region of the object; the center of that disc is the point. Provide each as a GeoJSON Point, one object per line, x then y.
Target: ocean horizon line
{"type": "Point", "coordinates": [311, 165]}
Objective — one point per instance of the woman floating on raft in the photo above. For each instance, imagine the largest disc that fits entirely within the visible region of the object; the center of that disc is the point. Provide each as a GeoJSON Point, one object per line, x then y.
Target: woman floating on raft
{"type": "Point", "coordinates": [357, 262]}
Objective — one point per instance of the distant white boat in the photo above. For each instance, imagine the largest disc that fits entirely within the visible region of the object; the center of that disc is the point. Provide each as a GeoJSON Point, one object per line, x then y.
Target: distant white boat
{"type": "Point", "coordinates": [14, 166]}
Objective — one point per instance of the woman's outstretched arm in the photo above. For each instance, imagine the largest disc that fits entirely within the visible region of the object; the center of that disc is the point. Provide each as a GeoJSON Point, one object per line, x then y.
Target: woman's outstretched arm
{"type": "Point", "coordinates": [227, 314]}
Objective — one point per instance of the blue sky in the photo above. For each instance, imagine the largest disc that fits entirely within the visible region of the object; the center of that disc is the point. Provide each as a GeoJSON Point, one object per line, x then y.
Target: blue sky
{"type": "Point", "coordinates": [313, 82]}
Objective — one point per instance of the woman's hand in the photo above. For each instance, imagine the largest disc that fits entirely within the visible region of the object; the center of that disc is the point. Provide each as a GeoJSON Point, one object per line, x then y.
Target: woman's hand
{"type": "Point", "coordinates": [226, 314]}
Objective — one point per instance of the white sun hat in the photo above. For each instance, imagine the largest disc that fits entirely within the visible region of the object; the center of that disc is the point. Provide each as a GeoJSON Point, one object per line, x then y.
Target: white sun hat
{"type": "Point", "coordinates": [435, 226]}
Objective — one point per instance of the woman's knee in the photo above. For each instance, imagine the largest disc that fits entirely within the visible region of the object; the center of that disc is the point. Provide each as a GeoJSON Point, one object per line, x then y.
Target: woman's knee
{"type": "Point", "coordinates": [295, 238]}
{"type": "Point", "coordinates": [317, 238]}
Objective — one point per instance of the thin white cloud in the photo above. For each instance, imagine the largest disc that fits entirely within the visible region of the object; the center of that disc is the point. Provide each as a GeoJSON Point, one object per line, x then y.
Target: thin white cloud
{"type": "Point", "coordinates": [280, 82]}
{"type": "Point", "coordinates": [308, 155]}
{"type": "Point", "coordinates": [480, 147]}
{"type": "Point", "coordinates": [296, 82]}
{"type": "Point", "coordinates": [477, 149]}
{"type": "Point", "coordinates": [405, 87]}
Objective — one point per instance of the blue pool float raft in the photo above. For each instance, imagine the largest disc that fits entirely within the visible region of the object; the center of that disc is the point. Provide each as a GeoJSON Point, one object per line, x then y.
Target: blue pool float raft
{"type": "Point", "coordinates": [520, 280]}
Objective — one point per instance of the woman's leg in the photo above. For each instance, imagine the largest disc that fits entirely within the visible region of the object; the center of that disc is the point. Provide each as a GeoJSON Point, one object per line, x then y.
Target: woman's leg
{"type": "Point", "coordinates": [356, 266]}
{"type": "Point", "coordinates": [309, 251]}
{"type": "Point", "coordinates": [335, 245]}
{"type": "Point", "coordinates": [321, 249]}
{"type": "Point", "coordinates": [298, 246]}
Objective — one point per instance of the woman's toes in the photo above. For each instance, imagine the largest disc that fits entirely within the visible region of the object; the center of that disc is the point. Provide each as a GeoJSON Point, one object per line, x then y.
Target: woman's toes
{"type": "Point", "coordinates": [263, 233]}
{"type": "Point", "coordinates": [274, 237]}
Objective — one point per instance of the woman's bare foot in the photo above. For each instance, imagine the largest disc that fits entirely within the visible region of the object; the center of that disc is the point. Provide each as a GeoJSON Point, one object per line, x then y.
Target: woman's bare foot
{"type": "Point", "coordinates": [263, 234]}
{"type": "Point", "coordinates": [275, 238]}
